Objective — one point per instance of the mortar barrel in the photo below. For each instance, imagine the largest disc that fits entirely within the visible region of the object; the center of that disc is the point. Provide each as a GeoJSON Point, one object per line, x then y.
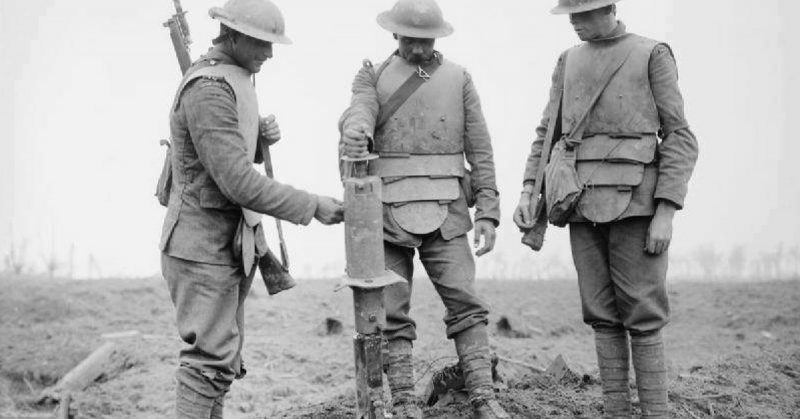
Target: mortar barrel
{"type": "Point", "coordinates": [363, 220]}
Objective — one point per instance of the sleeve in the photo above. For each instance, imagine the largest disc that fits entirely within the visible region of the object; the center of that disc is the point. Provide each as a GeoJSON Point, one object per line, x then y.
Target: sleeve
{"type": "Point", "coordinates": [364, 106]}
{"type": "Point", "coordinates": [556, 88]}
{"type": "Point", "coordinates": [678, 149]}
{"type": "Point", "coordinates": [479, 155]}
{"type": "Point", "coordinates": [213, 124]}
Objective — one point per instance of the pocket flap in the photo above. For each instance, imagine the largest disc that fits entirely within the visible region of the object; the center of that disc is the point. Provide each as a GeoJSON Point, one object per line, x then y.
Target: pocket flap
{"type": "Point", "coordinates": [604, 147]}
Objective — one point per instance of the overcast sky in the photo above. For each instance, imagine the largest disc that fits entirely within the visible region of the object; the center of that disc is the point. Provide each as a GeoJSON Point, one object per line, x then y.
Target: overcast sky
{"type": "Point", "coordinates": [88, 84]}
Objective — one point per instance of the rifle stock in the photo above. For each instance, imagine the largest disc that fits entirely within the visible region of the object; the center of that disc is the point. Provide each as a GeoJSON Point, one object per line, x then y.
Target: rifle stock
{"type": "Point", "coordinates": [274, 272]}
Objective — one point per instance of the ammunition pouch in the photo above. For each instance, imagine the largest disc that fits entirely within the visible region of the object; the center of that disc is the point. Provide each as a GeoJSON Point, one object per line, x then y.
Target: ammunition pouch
{"type": "Point", "coordinates": [609, 167]}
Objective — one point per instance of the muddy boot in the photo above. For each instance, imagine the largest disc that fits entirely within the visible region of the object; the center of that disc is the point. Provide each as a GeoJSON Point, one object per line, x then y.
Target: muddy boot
{"type": "Point", "coordinates": [472, 346]}
{"type": "Point", "coordinates": [651, 374]}
{"type": "Point", "coordinates": [613, 360]}
{"type": "Point", "coordinates": [400, 374]}
{"type": "Point", "coordinates": [191, 405]}
{"type": "Point", "coordinates": [216, 410]}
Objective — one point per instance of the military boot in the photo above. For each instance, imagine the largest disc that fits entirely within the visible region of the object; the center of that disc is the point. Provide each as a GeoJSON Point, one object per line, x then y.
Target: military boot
{"type": "Point", "coordinates": [651, 374]}
{"type": "Point", "coordinates": [400, 374]}
{"type": "Point", "coordinates": [613, 360]}
{"type": "Point", "coordinates": [190, 404]}
{"type": "Point", "coordinates": [472, 346]}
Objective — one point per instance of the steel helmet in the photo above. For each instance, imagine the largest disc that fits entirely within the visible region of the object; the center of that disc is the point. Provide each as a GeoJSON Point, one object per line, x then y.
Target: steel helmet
{"type": "Point", "coordinates": [579, 6]}
{"type": "Point", "coordinates": [259, 19]}
{"type": "Point", "coordinates": [415, 19]}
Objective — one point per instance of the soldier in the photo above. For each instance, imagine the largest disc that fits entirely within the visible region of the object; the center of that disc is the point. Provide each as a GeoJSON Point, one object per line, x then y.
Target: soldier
{"type": "Point", "coordinates": [614, 96]}
{"type": "Point", "coordinates": [212, 235]}
{"type": "Point", "coordinates": [424, 114]}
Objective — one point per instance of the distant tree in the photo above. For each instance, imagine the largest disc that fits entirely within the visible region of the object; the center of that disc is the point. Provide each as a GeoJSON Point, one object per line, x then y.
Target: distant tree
{"type": "Point", "coordinates": [708, 259]}
{"type": "Point", "coordinates": [15, 260]}
{"type": "Point", "coordinates": [737, 261]}
{"type": "Point", "coordinates": [51, 264]}
{"type": "Point", "coordinates": [794, 257]}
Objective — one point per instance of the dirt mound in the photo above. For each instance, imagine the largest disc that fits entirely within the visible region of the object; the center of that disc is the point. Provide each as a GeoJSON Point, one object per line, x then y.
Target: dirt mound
{"type": "Point", "coordinates": [740, 387]}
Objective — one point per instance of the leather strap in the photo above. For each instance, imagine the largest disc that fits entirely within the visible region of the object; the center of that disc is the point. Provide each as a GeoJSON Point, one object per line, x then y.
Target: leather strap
{"type": "Point", "coordinates": [399, 97]}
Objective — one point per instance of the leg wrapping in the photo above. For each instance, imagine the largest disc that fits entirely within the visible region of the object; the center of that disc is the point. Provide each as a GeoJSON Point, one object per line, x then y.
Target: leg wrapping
{"type": "Point", "coordinates": [651, 374]}
{"type": "Point", "coordinates": [613, 361]}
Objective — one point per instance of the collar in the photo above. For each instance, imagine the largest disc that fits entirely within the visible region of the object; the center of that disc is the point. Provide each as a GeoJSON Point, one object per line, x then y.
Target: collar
{"type": "Point", "coordinates": [215, 56]}
{"type": "Point", "coordinates": [619, 31]}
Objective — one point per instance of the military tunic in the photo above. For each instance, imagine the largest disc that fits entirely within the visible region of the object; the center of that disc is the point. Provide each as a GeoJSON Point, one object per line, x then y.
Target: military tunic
{"type": "Point", "coordinates": [620, 284]}
{"type": "Point", "coordinates": [213, 180]}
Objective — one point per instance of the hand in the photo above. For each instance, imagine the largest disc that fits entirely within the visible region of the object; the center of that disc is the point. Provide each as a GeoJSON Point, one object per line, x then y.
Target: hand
{"type": "Point", "coordinates": [329, 210]}
{"type": "Point", "coordinates": [523, 215]}
{"type": "Point", "coordinates": [484, 228]}
{"type": "Point", "coordinates": [659, 234]}
{"type": "Point", "coordinates": [355, 142]}
{"type": "Point", "coordinates": [269, 129]}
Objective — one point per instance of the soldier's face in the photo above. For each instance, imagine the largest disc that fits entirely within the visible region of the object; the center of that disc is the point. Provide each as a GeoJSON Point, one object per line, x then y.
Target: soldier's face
{"type": "Point", "coordinates": [416, 50]}
{"type": "Point", "coordinates": [589, 25]}
{"type": "Point", "coordinates": [251, 53]}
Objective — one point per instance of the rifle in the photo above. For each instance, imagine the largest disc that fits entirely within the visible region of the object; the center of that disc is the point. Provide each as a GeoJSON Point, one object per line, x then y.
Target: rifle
{"type": "Point", "coordinates": [275, 273]}
{"type": "Point", "coordinates": [181, 39]}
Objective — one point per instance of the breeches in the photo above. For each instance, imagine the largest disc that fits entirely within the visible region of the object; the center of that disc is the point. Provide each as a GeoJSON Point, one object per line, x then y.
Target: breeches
{"type": "Point", "coordinates": [450, 266]}
{"type": "Point", "coordinates": [209, 306]}
{"type": "Point", "coordinates": [620, 284]}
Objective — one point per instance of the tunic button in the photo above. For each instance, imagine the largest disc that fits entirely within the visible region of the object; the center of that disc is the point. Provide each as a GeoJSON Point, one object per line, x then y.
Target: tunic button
{"type": "Point", "coordinates": [443, 118]}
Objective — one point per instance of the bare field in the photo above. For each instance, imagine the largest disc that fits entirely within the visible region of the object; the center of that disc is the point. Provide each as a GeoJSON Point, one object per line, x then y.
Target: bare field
{"type": "Point", "coordinates": [733, 348]}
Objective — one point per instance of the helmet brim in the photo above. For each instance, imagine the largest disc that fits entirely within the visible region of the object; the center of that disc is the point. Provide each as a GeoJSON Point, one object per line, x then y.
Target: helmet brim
{"type": "Point", "coordinates": [219, 14]}
{"type": "Point", "coordinates": [568, 10]}
{"type": "Point", "coordinates": [386, 22]}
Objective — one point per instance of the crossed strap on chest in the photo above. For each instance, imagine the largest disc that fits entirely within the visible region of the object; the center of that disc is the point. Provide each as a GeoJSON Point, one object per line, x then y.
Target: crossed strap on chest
{"type": "Point", "coordinates": [401, 95]}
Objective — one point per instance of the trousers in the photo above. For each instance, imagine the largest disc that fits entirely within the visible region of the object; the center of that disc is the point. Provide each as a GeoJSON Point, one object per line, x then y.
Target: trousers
{"type": "Point", "coordinates": [450, 266]}
{"type": "Point", "coordinates": [621, 286]}
{"type": "Point", "coordinates": [209, 311]}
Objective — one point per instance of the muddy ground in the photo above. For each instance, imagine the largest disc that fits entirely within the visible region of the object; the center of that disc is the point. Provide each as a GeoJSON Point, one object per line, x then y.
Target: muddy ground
{"type": "Point", "coordinates": [733, 349]}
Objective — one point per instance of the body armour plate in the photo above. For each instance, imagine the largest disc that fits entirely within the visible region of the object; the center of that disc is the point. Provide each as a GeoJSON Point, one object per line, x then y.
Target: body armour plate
{"type": "Point", "coordinates": [421, 146]}
{"type": "Point", "coordinates": [627, 105]}
{"type": "Point", "coordinates": [246, 109]}
{"type": "Point", "coordinates": [431, 121]}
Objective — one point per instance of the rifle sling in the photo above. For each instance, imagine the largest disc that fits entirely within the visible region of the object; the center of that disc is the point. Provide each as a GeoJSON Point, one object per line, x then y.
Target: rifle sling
{"type": "Point", "coordinates": [399, 97]}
